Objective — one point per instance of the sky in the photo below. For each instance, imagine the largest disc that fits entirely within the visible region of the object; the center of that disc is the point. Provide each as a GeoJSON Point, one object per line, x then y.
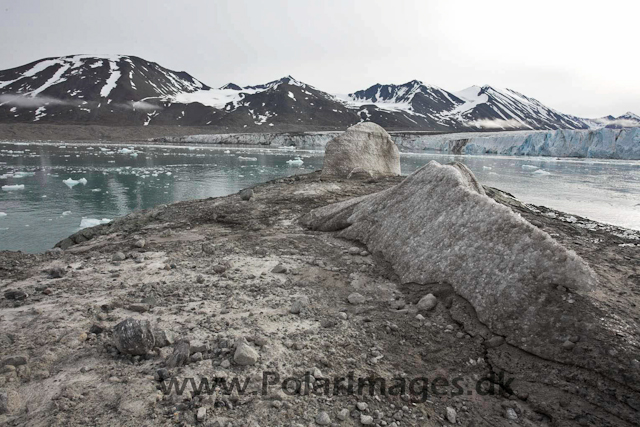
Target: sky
{"type": "Point", "coordinates": [579, 57]}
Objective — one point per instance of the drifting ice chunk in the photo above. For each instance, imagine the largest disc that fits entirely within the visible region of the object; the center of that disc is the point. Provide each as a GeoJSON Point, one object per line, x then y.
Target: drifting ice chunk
{"type": "Point", "coordinates": [2, 214]}
{"type": "Point", "coordinates": [297, 161]}
{"type": "Point", "coordinates": [248, 159]}
{"type": "Point", "coordinates": [541, 172]}
{"type": "Point", "coordinates": [13, 187]}
{"type": "Point", "coordinates": [72, 182]}
{"type": "Point", "coordinates": [92, 222]}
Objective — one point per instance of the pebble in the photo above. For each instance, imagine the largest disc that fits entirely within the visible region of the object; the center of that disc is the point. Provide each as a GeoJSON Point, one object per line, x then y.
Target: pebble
{"type": "Point", "coordinates": [201, 414]}
{"type": "Point", "coordinates": [225, 364]}
{"type": "Point", "coordinates": [140, 243]}
{"type": "Point", "coordinates": [451, 415]}
{"type": "Point", "coordinates": [362, 406]}
{"type": "Point", "coordinates": [245, 354]}
{"type": "Point", "coordinates": [343, 414]}
{"type": "Point", "coordinates": [511, 414]}
{"type": "Point", "coordinates": [356, 298]}
{"type": "Point", "coordinates": [354, 250]}
{"type": "Point", "coordinates": [299, 305]}
{"type": "Point", "coordinates": [15, 360]}
{"type": "Point", "coordinates": [323, 419]}
{"type": "Point", "coordinates": [118, 256]}
{"type": "Point", "coordinates": [366, 419]}
{"type": "Point", "coordinates": [246, 194]}
{"type": "Point", "coordinates": [15, 294]}
{"type": "Point", "coordinates": [427, 302]}
{"type": "Point", "coordinates": [279, 269]}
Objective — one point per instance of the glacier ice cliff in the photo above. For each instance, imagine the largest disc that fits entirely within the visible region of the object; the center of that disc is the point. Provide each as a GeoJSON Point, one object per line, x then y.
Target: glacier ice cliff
{"type": "Point", "coordinates": [598, 143]}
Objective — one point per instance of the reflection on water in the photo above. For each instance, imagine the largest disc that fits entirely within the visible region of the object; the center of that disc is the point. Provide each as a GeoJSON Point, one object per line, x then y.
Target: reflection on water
{"type": "Point", "coordinates": [119, 181]}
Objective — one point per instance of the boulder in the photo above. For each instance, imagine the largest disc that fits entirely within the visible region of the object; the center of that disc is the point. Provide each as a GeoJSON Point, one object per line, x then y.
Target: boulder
{"type": "Point", "coordinates": [246, 194]}
{"type": "Point", "coordinates": [427, 302]}
{"type": "Point", "coordinates": [364, 150]}
{"type": "Point", "coordinates": [245, 354]}
{"type": "Point", "coordinates": [181, 354]}
{"type": "Point", "coordinates": [439, 226]}
{"type": "Point", "coordinates": [134, 337]}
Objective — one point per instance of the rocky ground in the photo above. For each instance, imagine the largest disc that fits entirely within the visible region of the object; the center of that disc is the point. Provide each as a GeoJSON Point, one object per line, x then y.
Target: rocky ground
{"type": "Point", "coordinates": [254, 292]}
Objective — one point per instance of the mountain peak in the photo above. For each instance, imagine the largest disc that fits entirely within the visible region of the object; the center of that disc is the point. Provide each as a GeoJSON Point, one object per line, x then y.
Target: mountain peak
{"type": "Point", "coordinates": [231, 86]}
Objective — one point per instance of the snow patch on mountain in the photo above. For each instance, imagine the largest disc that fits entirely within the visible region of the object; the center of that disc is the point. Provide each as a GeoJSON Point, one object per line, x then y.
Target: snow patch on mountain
{"type": "Point", "coordinates": [111, 82]}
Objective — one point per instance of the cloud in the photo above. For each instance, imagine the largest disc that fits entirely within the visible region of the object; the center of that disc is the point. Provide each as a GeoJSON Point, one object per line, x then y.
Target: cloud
{"type": "Point", "coordinates": [623, 123]}
{"type": "Point", "coordinates": [498, 124]}
{"type": "Point", "coordinates": [32, 102]}
{"type": "Point", "coordinates": [138, 105]}
{"type": "Point", "coordinates": [142, 105]}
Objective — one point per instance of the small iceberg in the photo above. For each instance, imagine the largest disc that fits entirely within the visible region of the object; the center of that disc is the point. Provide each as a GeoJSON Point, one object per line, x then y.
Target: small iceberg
{"type": "Point", "coordinates": [296, 162]}
{"type": "Point", "coordinates": [529, 167]}
{"type": "Point", "coordinates": [541, 172]}
{"type": "Point", "coordinates": [227, 152]}
{"type": "Point", "coordinates": [65, 213]}
{"type": "Point", "coordinates": [92, 222]}
{"type": "Point", "coordinates": [13, 187]}
{"type": "Point", "coordinates": [23, 174]}
{"type": "Point", "coordinates": [248, 159]}
{"type": "Point", "coordinates": [2, 214]}
{"type": "Point", "coordinates": [72, 182]}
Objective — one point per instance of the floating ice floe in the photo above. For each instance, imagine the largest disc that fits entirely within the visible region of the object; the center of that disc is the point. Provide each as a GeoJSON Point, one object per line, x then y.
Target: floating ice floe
{"type": "Point", "coordinates": [296, 161]}
{"type": "Point", "coordinates": [541, 172]}
{"type": "Point", "coordinates": [227, 152]}
{"type": "Point", "coordinates": [92, 222]}
{"type": "Point", "coordinates": [488, 168]}
{"type": "Point", "coordinates": [72, 182]}
{"type": "Point", "coordinates": [65, 213]}
{"type": "Point", "coordinates": [248, 159]}
{"type": "Point", "coordinates": [13, 187]}
{"type": "Point", "coordinates": [530, 167]}
{"type": "Point", "coordinates": [2, 214]}
{"type": "Point", "coordinates": [96, 190]}
{"type": "Point", "coordinates": [23, 174]}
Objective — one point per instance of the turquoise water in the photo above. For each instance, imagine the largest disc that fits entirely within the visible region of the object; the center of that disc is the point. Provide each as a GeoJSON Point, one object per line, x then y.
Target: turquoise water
{"type": "Point", "coordinates": [47, 209]}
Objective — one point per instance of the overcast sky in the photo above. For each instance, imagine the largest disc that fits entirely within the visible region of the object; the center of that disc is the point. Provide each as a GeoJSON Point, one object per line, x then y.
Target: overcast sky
{"type": "Point", "coordinates": [579, 57]}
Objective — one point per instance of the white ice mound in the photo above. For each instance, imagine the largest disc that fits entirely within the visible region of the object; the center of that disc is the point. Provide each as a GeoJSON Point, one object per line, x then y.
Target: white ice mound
{"type": "Point", "coordinates": [439, 226]}
{"type": "Point", "coordinates": [72, 182]}
{"type": "Point", "coordinates": [92, 222]}
{"type": "Point", "coordinates": [366, 147]}
{"type": "Point", "coordinates": [15, 187]}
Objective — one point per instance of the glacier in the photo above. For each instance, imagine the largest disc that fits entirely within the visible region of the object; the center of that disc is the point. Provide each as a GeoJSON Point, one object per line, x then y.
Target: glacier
{"type": "Point", "coordinates": [602, 143]}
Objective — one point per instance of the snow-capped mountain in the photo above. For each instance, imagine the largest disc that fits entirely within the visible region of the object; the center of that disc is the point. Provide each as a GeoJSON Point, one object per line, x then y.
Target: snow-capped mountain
{"type": "Point", "coordinates": [627, 120]}
{"type": "Point", "coordinates": [487, 107]}
{"type": "Point", "coordinates": [127, 90]}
